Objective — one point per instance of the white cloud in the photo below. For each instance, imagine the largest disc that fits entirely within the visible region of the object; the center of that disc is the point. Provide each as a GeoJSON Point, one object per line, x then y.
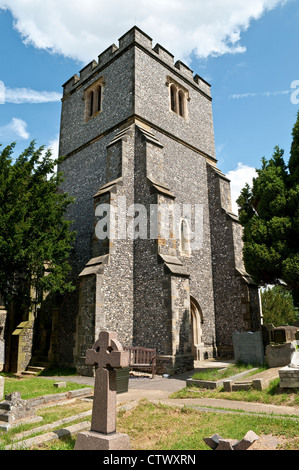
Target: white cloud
{"type": "Point", "coordinates": [16, 128]}
{"type": "Point", "coordinates": [54, 147]}
{"type": "Point", "coordinates": [27, 95]}
{"type": "Point", "coordinates": [82, 30]}
{"type": "Point", "coordinates": [266, 94]}
{"type": "Point", "coordinates": [239, 177]}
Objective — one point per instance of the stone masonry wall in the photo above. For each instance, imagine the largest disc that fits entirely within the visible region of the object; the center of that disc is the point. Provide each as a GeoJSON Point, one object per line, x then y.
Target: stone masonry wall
{"type": "Point", "coordinates": [135, 142]}
{"type": "Point", "coordinates": [230, 290]}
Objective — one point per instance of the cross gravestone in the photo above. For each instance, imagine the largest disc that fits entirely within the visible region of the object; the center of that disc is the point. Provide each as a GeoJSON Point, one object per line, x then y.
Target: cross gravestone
{"type": "Point", "coordinates": [106, 355]}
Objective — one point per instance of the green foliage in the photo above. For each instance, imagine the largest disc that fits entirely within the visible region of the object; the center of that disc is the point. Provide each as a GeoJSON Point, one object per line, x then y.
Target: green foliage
{"type": "Point", "coordinates": [35, 239]}
{"type": "Point", "coordinates": [278, 306]}
{"type": "Point", "coordinates": [269, 213]}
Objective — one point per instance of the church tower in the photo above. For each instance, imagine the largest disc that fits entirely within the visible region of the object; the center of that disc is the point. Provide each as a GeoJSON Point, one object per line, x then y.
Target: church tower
{"type": "Point", "coordinates": [158, 253]}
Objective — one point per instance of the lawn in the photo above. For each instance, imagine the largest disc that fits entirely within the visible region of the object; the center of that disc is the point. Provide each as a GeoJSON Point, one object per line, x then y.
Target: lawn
{"type": "Point", "coordinates": [233, 369]}
{"type": "Point", "coordinates": [35, 387]}
{"type": "Point", "coordinates": [169, 428]}
{"type": "Point", "coordinates": [157, 427]}
{"type": "Point", "coordinates": [272, 395]}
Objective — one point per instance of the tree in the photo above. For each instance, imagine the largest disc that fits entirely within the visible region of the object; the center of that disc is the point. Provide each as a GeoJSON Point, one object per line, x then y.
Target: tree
{"type": "Point", "coordinates": [269, 213]}
{"type": "Point", "coordinates": [278, 306]}
{"type": "Point", "coordinates": [35, 239]}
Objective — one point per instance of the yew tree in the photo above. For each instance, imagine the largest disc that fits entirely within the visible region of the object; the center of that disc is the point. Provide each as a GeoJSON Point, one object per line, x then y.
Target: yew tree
{"type": "Point", "coordinates": [35, 237]}
{"type": "Point", "coordinates": [269, 213]}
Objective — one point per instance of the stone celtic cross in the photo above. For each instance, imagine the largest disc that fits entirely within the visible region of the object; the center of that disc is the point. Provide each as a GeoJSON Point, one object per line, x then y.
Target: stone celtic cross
{"type": "Point", "coordinates": [107, 355]}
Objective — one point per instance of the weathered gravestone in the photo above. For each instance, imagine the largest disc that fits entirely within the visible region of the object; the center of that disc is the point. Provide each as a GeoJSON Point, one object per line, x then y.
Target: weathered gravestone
{"type": "Point", "coordinates": [216, 442]}
{"type": "Point", "coordinates": [15, 411]}
{"type": "Point", "coordinates": [107, 355]}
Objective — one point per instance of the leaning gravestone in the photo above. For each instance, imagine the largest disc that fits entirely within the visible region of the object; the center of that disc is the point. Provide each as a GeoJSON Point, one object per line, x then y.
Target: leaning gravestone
{"type": "Point", "coordinates": [107, 355]}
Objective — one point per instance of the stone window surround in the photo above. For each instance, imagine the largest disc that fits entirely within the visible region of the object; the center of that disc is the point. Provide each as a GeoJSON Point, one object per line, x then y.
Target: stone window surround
{"type": "Point", "coordinates": [93, 92]}
{"type": "Point", "coordinates": [178, 100]}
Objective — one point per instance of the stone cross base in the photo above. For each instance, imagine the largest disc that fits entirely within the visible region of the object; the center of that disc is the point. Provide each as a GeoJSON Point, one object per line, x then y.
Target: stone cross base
{"type": "Point", "coordinates": [90, 440]}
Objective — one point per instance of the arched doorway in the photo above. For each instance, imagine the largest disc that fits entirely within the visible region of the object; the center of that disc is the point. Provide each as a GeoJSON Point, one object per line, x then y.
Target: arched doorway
{"type": "Point", "coordinates": [196, 329]}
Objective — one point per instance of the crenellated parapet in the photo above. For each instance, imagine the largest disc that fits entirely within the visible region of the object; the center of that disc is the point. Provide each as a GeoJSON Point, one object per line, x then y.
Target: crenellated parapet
{"type": "Point", "coordinates": [136, 37]}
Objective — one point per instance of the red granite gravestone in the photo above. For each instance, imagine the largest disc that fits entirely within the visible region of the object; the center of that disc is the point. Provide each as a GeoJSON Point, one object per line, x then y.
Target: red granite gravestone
{"type": "Point", "coordinates": [106, 355]}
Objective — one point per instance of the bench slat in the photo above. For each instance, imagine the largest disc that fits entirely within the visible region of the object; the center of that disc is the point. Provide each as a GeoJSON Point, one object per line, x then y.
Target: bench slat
{"type": "Point", "coordinates": [142, 357]}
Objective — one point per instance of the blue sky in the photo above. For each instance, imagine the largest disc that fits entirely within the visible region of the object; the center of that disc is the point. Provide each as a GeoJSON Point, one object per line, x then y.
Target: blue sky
{"type": "Point", "coordinates": [249, 54]}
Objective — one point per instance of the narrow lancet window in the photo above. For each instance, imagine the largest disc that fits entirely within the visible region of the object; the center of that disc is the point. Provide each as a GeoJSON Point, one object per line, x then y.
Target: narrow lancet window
{"type": "Point", "coordinates": [91, 104]}
{"type": "Point", "coordinates": [173, 98]}
{"type": "Point", "coordinates": [181, 104]}
{"type": "Point", "coordinates": [99, 104]}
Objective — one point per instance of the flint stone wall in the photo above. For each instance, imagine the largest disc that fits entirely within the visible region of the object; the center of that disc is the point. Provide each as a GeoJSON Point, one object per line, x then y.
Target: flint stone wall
{"type": "Point", "coordinates": [138, 297]}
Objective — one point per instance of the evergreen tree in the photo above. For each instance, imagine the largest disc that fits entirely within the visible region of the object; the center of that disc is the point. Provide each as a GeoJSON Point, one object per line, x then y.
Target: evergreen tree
{"type": "Point", "coordinates": [278, 306]}
{"type": "Point", "coordinates": [35, 239]}
{"type": "Point", "coordinates": [269, 213]}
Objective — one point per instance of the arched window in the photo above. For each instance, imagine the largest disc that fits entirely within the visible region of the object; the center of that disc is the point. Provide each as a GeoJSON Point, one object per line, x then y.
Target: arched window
{"type": "Point", "coordinates": [173, 97]}
{"type": "Point", "coordinates": [93, 97]}
{"type": "Point", "coordinates": [181, 103]}
{"type": "Point", "coordinates": [185, 238]}
{"type": "Point", "coordinates": [178, 96]}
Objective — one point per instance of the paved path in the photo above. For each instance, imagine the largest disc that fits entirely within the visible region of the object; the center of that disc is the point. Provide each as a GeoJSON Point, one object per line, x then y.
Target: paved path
{"type": "Point", "coordinates": [161, 388]}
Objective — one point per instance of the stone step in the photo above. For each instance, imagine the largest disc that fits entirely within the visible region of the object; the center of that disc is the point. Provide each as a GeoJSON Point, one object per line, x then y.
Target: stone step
{"type": "Point", "coordinates": [5, 405]}
{"type": "Point", "coordinates": [32, 371]}
{"type": "Point", "coordinates": [5, 417]}
{"type": "Point", "coordinates": [28, 373]}
{"type": "Point", "coordinates": [36, 369]}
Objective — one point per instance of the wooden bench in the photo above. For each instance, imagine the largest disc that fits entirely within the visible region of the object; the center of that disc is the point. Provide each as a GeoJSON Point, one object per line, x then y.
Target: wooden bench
{"type": "Point", "coordinates": [142, 358]}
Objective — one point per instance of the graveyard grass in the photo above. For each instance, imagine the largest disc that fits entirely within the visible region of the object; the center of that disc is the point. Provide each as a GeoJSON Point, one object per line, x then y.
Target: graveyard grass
{"type": "Point", "coordinates": [233, 369]}
{"type": "Point", "coordinates": [272, 395]}
{"type": "Point", "coordinates": [180, 428]}
{"type": "Point", "coordinates": [33, 387]}
{"type": "Point", "coordinates": [168, 428]}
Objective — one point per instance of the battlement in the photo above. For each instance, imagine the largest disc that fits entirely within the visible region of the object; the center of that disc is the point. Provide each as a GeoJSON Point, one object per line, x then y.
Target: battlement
{"type": "Point", "coordinates": [138, 37]}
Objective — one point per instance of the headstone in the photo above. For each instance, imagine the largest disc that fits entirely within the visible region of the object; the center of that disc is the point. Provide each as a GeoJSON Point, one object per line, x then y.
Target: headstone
{"type": "Point", "coordinates": [279, 336]}
{"type": "Point", "coordinates": [216, 442]}
{"type": "Point", "coordinates": [226, 444]}
{"type": "Point", "coordinates": [248, 347]}
{"type": "Point", "coordinates": [283, 334]}
{"type": "Point", "coordinates": [295, 361]}
{"type": "Point", "coordinates": [14, 411]}
{"type": "Point", "coordinates": [246, 442]}
{"type": "Point", "coordinates": [107, 355]}
{"type": "Point", "coordinates": [1, 388]}
{"type": "Point", "coordinates": [213, 441]}
{"type": "Point", "coordinates": [279, 355]}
